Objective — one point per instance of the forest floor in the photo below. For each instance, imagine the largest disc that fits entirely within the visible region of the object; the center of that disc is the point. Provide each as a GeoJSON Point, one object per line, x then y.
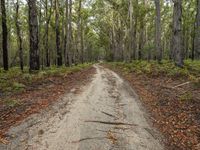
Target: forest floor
{"type": "Point", "coordinates": [104, 114]}
{"type": "Point", "coordinates": [23, 94]}
{"type": "Point", "coordinates": [172, 97]}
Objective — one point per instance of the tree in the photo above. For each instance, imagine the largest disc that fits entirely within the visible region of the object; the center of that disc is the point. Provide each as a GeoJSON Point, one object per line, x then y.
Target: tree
{"type": "Point", "coordinates": [59, 53]}
{"type": "Point", "coordinates": [69, 34]}
{"type": "Point", "coordinates": [80, 32]}
{"type": "Point", "coordinates": [131, 32]}
{"type": "Point", "coordinates": [197, 31]}
{"type": "Point", "coordinates": [5, 35]}
{"type": "Point", "coordinates": [66, 57]}
{"type": "Point", "coordinates": [46, 34]}
{"type": "Point", "coordinates": [19, 36]}
{"type": "Point", "coordinates": [158, 31]}
{"type": "Point", "coordinates": [177, 33]}
{"type": "Point", "coordinates": [33, 29]}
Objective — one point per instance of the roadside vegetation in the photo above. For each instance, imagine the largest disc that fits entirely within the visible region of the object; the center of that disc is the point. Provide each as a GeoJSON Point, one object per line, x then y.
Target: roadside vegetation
{"type": "Point", "coordinates": [171, 95]}
{"type": "Point", "coordinates": [15, 81]}
{"type": "Point", "coordinates": [191, 70]}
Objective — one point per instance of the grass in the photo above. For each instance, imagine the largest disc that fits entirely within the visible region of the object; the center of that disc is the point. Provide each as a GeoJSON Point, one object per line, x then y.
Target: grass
{"type": "Point", "coordinates": [166, 68]}
{"type": "Point", "coordinates": [11, 102]}
{"type": "Point", "coordinates": [14, 80]}
{"type": "Point", "coordinates": [191, 70]}
{"type": "Point", "coordinates": [186, 96]}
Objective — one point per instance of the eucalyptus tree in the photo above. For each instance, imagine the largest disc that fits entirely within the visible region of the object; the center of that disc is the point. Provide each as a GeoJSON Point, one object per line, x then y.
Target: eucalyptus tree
{"type": "Point", "coordinates": [5, 35]}
{"type": "Point", "coordinates": [177, 33]}
{"type": "Point", "coordinates": [158, 31]}
{"type": "Point", "coordinates": [33, 29]}
{"type": "Point", "coordinates": [79, 32]}
{"type": "Point", "coordinates": [57, 28]}
{"type": "Point", "coordinates": [19, 36]}
{"type": "Point", "coordinates": [48, 15]}
{"type": "Point", "coordinates": [197, 31]}
{"type": "Point", "coordinates": [132, 49]}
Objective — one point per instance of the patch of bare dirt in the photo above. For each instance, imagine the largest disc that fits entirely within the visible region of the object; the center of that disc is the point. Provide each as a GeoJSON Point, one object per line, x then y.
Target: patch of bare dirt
{"type": "Point", "coordinates": [174, 111]}
{"type": "Point", "coordinates": [39, 96]}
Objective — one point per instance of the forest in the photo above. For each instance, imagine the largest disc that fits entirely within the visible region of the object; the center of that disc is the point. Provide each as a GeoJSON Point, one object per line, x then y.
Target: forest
{"type": "Point", "coordinates": [42, 33]}
{"type": "Point", "coordinates": [50, 48]}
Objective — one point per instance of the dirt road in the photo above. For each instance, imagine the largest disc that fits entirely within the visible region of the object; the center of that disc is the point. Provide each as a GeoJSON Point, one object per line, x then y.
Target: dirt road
{"type": "Point", "coordinates": [106, 115]}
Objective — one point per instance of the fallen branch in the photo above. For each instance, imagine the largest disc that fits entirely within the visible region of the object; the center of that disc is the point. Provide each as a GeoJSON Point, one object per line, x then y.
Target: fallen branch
{"type": "Point", "coordinates": [181, 85]}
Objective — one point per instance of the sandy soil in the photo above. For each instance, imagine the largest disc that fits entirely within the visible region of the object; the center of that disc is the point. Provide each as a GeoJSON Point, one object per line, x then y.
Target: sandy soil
{"type": "Point", "coordinates": [106, 115]}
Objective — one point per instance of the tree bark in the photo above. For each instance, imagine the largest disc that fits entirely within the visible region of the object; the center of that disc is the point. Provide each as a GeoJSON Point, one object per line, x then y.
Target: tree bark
{"type": "Point", "coordinates": [177, 33]}
{"type": "Point", "coordinates": [59, 53]}
{"type": "Point", "coordinates": [79, 37]}
{"type": "Point", "coordinates": [69, 34]}
{"type": "Point", "coordinates": [142, 34]}
{"type": "Point", "coordinates": [66, 32]}
{"type": "Point", "coordinates": [46, 35]}
{"type": "Point", "coordinates": [33, 29]}
{"type": "Point", "coordinates": [197, 31]}
{"type": "Point", "coordinates": [5, 35]}
{"type": "Point", "coordinates": [19, 36]}
{"type": "Point", "coordinates": [131, 33]}
{"type": "Point", "coordinates": [158, 31]}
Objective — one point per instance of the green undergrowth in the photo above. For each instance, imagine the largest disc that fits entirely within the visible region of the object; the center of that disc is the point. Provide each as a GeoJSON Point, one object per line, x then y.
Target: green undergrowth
{"type": "Point", "coordinates": [14, 80]}
{"type": "Point", "coordinates": [190, 71]}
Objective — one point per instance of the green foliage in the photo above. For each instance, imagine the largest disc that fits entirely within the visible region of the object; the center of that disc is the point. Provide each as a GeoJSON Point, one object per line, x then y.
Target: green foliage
{"type": "Point", "coordinates": [186, 96]}
{"type": "Point", "coordinates": [11, 102]}
{"type": "Point", "coordinates": [18, 86]}
{"type": "Point", "coordinates": [166, 68]}
{"type": "Point", "coordinates": [15, 81]}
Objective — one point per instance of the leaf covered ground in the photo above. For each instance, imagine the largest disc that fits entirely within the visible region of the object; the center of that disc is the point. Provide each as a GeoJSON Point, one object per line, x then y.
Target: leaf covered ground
{"type": "Point", "coordinates": [23, 94]}
{"type": "Point", "coordinates": [171, 96]}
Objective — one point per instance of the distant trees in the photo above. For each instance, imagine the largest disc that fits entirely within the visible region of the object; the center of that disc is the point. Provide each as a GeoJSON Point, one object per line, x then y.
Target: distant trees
{"type": "Point", "coordinates": [158, 29]}
{"type": "Point", "coordinates": [5, 35]}
{"type": "Point", "coordinates": [71, 32]}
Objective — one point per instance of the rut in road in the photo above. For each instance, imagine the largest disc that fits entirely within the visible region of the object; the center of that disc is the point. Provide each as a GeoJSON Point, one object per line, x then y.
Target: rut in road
{"type": "Point", "coordinates": [106, 115]}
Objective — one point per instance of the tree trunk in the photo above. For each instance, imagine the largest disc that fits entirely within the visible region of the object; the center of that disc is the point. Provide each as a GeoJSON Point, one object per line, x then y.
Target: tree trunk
{"type": "Point", "coordinates": [66, 32]}
{"type": "Point", "coordinates": [5, 35]}
{"type": "Point", "coordinates": [131, 33]}
{"type": "Point", "coordinates": [141, 40]}
{"type": "Point", "coordinates": [33, 28]}
{"type": "Point", "coordinates": [46, 35]}
{"type": "Point", "coordinates": [177, 33]}
{"type": "Point", "coordinates": [82, 42]}
{"type": "Point", "coordinates": [59, 53]}
{"type": "Point", "coordinates": [19, 36]}
{"type": "Point", "coordinates": [197, 31]}
{"type": "Point", "coordinates": [69, 35]}
{"type": "Point", "coordinates": [79, 37]}
{"type": "Point", "coordinates": [142, 34]}
{"type": "Point", "coordinates": [136, 18]}
{"type": "Point", "coordinates": [158, 31]}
